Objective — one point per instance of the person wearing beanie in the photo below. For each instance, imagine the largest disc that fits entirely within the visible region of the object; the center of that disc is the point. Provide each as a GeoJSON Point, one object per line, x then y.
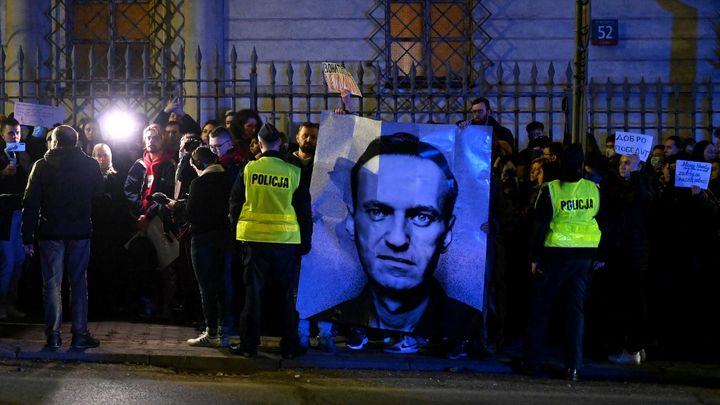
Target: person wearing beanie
{"type": "Point", "coordinates": [565, 240]}
{"type": "Point", "coordinates": [273, 220]}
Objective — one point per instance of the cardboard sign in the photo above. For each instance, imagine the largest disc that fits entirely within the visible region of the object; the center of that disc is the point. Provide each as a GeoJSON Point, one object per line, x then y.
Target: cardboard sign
{"type": "Point", "coordinates": [689, 173]}
{"type": "Point", "coordinates": [338, 78]}
{"type": "Point", "coordinates": [628, 143]}
{"type": "Point", "coordinates": [39, 115]}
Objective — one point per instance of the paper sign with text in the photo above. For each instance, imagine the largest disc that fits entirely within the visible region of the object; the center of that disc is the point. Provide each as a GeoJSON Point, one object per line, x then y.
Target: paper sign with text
{"type": "Point", "coordinates": [689, 173]}
{"type": "Point", "coordinates": [628, 143]}
{"type": "Point", "coordinates": [39, 115]}
{"type": "Point", "coordinates": [338, 78]}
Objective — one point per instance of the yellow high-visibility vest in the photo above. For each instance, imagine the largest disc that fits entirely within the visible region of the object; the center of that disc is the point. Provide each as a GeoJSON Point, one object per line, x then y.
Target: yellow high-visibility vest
{"type": "Point", "coordinates": [268, 214]}
{"type": "Point", "coordinates": [574, 208]}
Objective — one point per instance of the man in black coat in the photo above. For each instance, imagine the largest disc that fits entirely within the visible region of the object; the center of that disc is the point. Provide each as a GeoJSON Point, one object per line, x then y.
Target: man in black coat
{"type": "Point", "coordinates": [58, 201]}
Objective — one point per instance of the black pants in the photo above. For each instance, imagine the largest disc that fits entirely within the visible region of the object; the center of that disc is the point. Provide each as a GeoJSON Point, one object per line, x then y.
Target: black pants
{"type": "Point", "coordinates": [208, 258]}
{"type": "Point", "coordinates": [270, 264]}
{"type": "Point", "coordinates": [566, 274]}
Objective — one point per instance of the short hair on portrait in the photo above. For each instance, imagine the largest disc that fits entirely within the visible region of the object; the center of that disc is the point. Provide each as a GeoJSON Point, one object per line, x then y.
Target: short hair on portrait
{"type": "Point", "coordinates": [220, 132]}
{"type": "Point", "coordinates": [308, 124]}
{"type": "Point", "coordinates": [482, 100]}
{"type": "Point", "coordinates": [677, 140]}
{"type": "Point", "coordinates": [534, 125]}
{"type": "Point", "coordinates": [211, 122]}
{"type": "Point", "coordinates": [203, 157]}
{"type": "Point", "coordinates": [66, 136]}
{"type": "Point", "coordinates": [405, 144]}
{"type": "Point", "coordinates": [9, 122]}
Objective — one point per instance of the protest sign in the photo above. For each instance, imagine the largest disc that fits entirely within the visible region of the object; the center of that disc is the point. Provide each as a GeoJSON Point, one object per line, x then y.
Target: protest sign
{"type": "Point", "coordinates": [338, 79]}
{"type": "Point", "coordinates": [689, 173]}
{"type": "Point", "coordinates": [443, 257]}
{"type": "Point", "coordinates": [628, 143]}
{"type": "Point", "coordinates": [39, 115]}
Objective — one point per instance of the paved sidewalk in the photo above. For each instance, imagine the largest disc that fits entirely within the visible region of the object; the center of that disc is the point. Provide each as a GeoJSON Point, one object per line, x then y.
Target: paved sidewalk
{"type": "Point", "coordinates": [165, 346]}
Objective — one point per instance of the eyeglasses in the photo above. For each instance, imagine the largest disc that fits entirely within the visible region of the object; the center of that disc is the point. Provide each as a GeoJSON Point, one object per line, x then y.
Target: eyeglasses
{"type": "Point", "coordinates": [217, 147]}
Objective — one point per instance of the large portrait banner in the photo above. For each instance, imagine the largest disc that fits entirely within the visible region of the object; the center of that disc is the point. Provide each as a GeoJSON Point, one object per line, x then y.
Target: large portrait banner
{"type": "Point", "coordinates": [397, 213]}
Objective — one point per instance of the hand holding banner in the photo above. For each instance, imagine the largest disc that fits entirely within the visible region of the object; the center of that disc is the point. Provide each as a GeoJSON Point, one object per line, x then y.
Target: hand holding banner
{"type": "Point", "coordinates": [39, 115]}
{"type": "Point", "coordinates": [628, 143]}
{"type": "Point", "coordinates": [689, 173]}
{"type": "Point", "coordinates": [339, 79]}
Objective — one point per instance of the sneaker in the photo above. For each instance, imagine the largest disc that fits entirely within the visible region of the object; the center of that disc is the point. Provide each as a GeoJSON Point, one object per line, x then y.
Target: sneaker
{"type": "Point", "coordinates": [406, 345]}
{"type": "Point", "coordinates": [572, 375]}
{"type": "Point", "coordinates": [205, 340]}
{"type": "Point", "coordinates": [84, 341]}
{"type": "Point", "coordinates": [358, 339]}
{"type": "Point", "coordinates": [643, 356]}
{"type": "Point", "coordinates": [327, 344]}
{"type": "Point", "coordinates": [459, 350]}
{"type": "Point", "coordinates": [626, 358]}
{"type": "Point", "coordinates": [53, 342]}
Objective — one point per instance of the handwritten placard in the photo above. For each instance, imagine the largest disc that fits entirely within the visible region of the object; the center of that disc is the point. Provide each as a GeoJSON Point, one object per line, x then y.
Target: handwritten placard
{"type": "Point", "coordinates": [39, 115]}
{"type": "Point", "coordinates": [628, 143]}
{"type": "Point", "coordinates": [689, 173]}
{"type": "Point", "coordinates": [338, 79]}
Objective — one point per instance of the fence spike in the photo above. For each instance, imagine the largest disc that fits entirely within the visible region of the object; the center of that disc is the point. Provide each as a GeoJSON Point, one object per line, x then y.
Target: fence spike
{"type": "Point", "coordinates": [253, 60]}
{"type": "Point", "coordinates": [533, 73]}
{"type": "Point", "coordinates": [551, 72]}
{"type": "Point", "coordinates": [516, 73]}
{"type": "Point", "coordinates": [569, 73]}
{"type": "Point", "coordinates": [233, 55]}
{"type": "Point", "coordinates": [626, 87]}
{"type": "Point", "coordinates": [273, 71]}
{"type": "Point", "coordinates": [198, 56]}
{"type": "Point", "coordinates": [290, 74]}
{"type": "Point", "coordinates": [91, 60]}
{"type": "Point", "coordinates": [360, 72]}
{"type": "Point", "coordinates": [308, 73]}
{"type": "Point", "coordinates": [500, 72]}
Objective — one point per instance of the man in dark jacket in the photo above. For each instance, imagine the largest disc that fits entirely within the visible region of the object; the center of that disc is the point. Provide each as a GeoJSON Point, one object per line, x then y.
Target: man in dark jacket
{"type": "Point", "coordinates": [58, 200]}
{"type": "Point", "coordinates": [481, 115]}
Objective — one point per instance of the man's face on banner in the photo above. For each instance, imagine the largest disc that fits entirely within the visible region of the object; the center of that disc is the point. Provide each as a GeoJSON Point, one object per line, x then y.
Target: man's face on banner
{"type": "Point", "coordinates": [399, 227]}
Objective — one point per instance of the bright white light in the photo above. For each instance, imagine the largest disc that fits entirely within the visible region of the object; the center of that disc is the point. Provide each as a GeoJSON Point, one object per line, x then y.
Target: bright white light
{"type": "Point", "coordinates": [119, 125]}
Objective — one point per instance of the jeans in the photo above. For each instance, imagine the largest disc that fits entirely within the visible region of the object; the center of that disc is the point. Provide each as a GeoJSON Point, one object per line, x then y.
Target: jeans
{"type": "Point", "coordinates": [207, 251]}
{"type": "Point", "coordinates": [55, 257]}
{"type": "Point", "coordinates": [12, 256]}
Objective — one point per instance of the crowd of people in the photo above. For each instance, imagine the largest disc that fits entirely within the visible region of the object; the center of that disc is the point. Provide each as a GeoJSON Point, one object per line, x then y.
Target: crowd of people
{"type": "Point", "coordinates": [188, 227]}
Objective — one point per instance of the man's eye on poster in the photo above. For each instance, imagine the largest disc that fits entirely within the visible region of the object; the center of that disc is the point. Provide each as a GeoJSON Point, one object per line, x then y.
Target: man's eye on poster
{"type": "Point", "coordinates": [397, 209]}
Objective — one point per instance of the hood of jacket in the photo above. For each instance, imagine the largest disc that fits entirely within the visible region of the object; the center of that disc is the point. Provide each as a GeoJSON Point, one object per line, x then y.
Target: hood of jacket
{"type": "Point", "coordinates": [65, 156]}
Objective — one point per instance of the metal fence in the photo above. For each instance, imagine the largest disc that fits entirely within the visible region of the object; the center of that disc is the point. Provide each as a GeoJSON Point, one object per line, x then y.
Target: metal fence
{"type": "Point", "coordinates": [293, 92]}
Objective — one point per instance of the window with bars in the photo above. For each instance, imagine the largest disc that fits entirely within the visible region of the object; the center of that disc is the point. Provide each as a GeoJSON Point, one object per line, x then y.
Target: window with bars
{"type": "Point", "coordinates": [113, 30]}
{"type": "Point", "coordinates": [440, 38]}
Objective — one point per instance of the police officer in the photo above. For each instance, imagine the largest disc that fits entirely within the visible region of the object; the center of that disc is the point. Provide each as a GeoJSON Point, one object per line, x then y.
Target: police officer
{"type": "Point", "coordinates": [273, 218]}
{"type": "Point", "coordinates": [565, 240]}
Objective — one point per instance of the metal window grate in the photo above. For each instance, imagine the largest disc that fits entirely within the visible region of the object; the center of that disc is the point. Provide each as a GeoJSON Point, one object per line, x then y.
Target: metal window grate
{"type": "Point", "coordinates": [438, 40]}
